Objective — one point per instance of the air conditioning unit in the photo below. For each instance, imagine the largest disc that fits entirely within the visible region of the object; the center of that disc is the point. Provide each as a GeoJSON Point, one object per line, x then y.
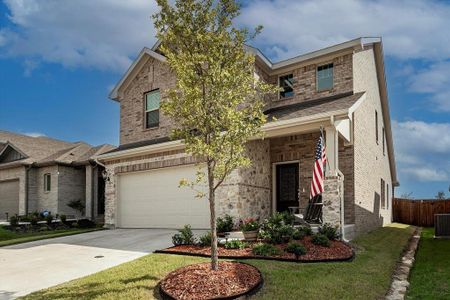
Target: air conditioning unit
{"type": "Point", "coordinates": [442, 226]}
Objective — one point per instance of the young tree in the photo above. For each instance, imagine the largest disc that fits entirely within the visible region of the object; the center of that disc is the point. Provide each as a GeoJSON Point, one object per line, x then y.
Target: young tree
{"type": "Point", "coordinates": [217, 102]}
{"type": "Point", "coordinates": [440, 195]}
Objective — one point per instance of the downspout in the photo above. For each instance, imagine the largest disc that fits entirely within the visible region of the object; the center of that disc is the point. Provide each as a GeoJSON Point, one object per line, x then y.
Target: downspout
{"type": "Point", "coordinates": [341, 197]}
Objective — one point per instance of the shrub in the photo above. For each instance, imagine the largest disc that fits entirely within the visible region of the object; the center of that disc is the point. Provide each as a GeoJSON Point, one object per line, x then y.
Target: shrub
{"type": "Point", "coordinates": [49, 219]}
{"type": "Point", "coordinates": [288, 218]}
{"type": "Point", "coordinates": [34, 220]}
{"type": "Point", "coordinates": [298, 234]}
{"type": "Point", "coordinates": [249, 224]}
{"type": "Point", "coordinates": [205, 240]}
{"type": "Point", "coordinates": [225, 224]}
{"type": "Point", "coordinates": [85, 223]}
{"type": "Point", "coordinates": [77, 205]}
{"type": "Point", "coordinates": [321, 240]}
{"type": "Point", "coordinates": [265, 250]}
{"type": "Point", "coordinates": [275, 231]}
{"type": "Point", "coordinates": [14, 221]}
{"type": "Point", "coordinates": [235, 244]}
{"type": "Point", "coordinates": [43, 228]}
{"type": "Point", "coordinates": [329, 231]}
{"type": "Point", "coordinates": [184, 236]}
{"type": "Point", "coordinates": [306, 229]}
{"type": "Point", "coordinates": [296, 248]}
{"type": "Point", "coordinates": [63, 218]}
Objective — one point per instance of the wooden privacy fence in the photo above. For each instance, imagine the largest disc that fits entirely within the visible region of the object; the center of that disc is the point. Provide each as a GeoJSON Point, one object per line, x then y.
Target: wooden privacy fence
{"type": "Point", "coordinates": [418, 212]}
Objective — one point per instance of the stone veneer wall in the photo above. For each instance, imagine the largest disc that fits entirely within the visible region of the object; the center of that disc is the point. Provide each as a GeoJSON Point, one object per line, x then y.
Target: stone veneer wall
{"type": "Point", "coordinates": [331, 199]}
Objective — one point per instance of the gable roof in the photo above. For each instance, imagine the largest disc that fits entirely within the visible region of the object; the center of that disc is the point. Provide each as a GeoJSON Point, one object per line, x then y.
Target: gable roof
{"type": "Point", "coordinates": [43, 150]}
{"type": "Point", "coordinates": [271, 66]}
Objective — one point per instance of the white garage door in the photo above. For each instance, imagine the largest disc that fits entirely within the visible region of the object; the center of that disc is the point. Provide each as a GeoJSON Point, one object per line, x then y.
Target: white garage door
{"type": "Point", "coordinates": [9, 198]}
{"type": "Point", "coordinates": [152, 199]}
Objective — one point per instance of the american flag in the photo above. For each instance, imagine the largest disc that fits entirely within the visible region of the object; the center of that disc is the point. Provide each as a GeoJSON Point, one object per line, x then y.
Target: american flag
{"type": "Point", "coordinates": [319, 169]}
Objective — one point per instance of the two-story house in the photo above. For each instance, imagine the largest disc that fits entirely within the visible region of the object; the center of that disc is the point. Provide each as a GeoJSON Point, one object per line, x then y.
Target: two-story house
{"type": "Point", "coordinates": [341, 89]}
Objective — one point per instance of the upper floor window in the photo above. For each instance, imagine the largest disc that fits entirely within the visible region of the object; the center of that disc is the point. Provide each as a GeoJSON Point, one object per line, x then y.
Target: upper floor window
{"type": "Point", "coordinates": [47, 182]}
{"type": "Point", "coordinates": [384, 146]}
{"type": "Point", "coordinates": [325, 77]}
{"type": "Point", "coordinates": [376, 126]}
{"type": "Point", "coordinates": [152, 109]}
{"type": "Point", "coordinates": [286, 83]}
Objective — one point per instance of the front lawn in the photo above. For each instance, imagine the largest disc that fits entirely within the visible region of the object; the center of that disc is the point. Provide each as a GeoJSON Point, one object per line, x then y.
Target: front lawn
{"type": "Point", "coordinates": [8, 237]}
{"type": "Point", "coordinates": [430, 276]}
{"type": "Point", "coordinates": [367, 277]}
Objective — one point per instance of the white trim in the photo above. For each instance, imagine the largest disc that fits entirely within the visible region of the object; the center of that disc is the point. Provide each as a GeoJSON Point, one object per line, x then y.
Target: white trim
{"type": "Point", "coordinates": [274, 181]}
{"type": "Point", "coordinates": [145, 51]}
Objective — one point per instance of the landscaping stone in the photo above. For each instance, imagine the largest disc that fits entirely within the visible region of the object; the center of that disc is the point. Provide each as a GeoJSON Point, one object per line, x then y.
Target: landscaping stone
{"type": "Point", "coordinates": [400, 282]}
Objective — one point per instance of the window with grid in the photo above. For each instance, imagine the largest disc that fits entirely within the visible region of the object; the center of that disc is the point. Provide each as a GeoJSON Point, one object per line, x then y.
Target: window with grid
{"type": "Point", "coordinates": [325, 77]}
{"type": "Point", "coordinates": [286, 83]}
{"type": "Point", "coordinates": [383, 194]}
{"type": "Point", "coordinates": [47, 182]}
{"type": "Point", "coordinates": [152, 109]}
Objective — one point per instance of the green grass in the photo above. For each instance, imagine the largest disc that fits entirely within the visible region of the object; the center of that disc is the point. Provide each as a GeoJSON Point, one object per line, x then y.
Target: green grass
{"type": "Point", "coordinates": [8, 237]}
{"type": "Point", "coordinates": [430, 276]}
{"type": "Point", "coordinates": [367, 277]}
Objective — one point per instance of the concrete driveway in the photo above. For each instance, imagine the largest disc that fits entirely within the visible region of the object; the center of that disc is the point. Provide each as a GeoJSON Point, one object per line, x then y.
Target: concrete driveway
{"type": "Point", "coordinates": [25, 268]}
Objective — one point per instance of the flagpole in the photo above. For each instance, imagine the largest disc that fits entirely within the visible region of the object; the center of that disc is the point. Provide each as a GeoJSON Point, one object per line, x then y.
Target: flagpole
{"type": "Point", "coordinates": [321, 134]}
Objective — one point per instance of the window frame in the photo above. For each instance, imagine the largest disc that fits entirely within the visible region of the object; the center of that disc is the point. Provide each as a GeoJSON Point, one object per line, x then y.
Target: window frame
{"type": "Point", "coordinates": [383, 194]}
{"type": "Point", "coordinates": [317, 77]}
{"type": "Point", "coordinates": [151, 110]}
{"type": "Point", "coordinates": [279, 92]}
{"type": "Point", "coordinates": [47, 182]}
{"type": "Point", "coordinates": [384, 143]}
{"type": "Point", "coordinates": [387, 195]}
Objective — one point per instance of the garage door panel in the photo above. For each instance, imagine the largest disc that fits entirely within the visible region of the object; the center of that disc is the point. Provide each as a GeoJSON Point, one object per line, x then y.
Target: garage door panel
{"type": "Point", "coordinates": [9, 198]}
{"type": "Point", "coordinates": [152, 199]}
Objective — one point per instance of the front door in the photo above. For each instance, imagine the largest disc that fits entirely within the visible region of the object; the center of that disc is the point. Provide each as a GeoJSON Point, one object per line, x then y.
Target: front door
{"type": "Point", "coordinates": [286, 186]}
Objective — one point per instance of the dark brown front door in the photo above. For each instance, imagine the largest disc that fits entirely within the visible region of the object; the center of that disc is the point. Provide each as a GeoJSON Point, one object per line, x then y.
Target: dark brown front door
{"type": "Point", "coordinates": [287, 186]}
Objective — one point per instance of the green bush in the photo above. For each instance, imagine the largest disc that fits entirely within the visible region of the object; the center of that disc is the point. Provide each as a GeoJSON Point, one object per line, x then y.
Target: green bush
{"type": "Point", "coordinates": [330, 231]}
{"type": "Point", "coordinates": [63, 218]}
{"type": "Point", "coordinates": [298, 234]}
{"type": "Point", "coordinates": [14, 221]}
{"type": "Point", "coordinates": [274, 230]}
{"type": "Point", "coordinates": [225, 224]}
{"type": "Point", "coordinates": [296, 248]}
{"type": "Point", "coordinates": [49, 219]}
{"type": "Point", "coordinates": [249, 224]}
{"type": "Point", "coordinates": [85, 223]}
{"type": "Point", "coordinates": [205, 240]}
{"type": "Point", "coordinates": [265, 250]}
{"type": "Point", "coordinates": [235, 244]}
{"type": "Point", "coordinates": [321, 240]}
{"type": "Point", "coordinates": [77, 205]}
{"type": "Point", "coordinates": [288, 218]}
{"type": "Point", "coordinates": [34, 220]}
{"type": "Point", "coordinates": [306, 229]}
{"type": "Point", "coordinates": [184, 236]}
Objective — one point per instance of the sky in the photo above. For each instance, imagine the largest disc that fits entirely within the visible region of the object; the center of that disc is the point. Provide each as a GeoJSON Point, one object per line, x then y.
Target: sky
{"type": "Point", "coordinates": [59, 59]}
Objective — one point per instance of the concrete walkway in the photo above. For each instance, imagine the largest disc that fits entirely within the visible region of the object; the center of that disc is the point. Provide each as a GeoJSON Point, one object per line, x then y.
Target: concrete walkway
{"type": "Point", "coordinates": [25, 268]}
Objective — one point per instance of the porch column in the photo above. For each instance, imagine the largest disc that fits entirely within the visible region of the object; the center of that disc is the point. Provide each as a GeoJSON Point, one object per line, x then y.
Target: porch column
{"type": "Point", "coordinates": [332, 148]}
{"type": "Point", "coordinates": [331, 199]}
{"type": "Point", "coordinates": [88, 203]}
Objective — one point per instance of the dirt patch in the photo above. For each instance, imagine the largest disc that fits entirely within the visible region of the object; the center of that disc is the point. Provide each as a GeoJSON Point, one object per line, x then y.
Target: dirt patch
{"type": "Point", "coordinates": [200, 282]}
{"type": "Point", "coordinates": [338, 251]}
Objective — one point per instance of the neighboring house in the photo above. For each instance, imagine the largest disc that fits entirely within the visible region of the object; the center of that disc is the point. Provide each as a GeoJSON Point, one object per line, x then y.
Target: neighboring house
{"type": "Point", "coordinates": [40, 173]}
{"type": "Point", "coordinates": [341, 88]}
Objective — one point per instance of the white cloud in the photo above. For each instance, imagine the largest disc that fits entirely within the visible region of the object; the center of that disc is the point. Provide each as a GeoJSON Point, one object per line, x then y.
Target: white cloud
{"type": "Point", "coordinates": [410, 28]}
{"type": "Point", "coordinates": [422, 150]}
{"type": "Point", "coordinates": [34, 134]}
{"type": "Point", "coordinates": [101, 34]}
{"type": "Point", "coordinates": [434, 80]}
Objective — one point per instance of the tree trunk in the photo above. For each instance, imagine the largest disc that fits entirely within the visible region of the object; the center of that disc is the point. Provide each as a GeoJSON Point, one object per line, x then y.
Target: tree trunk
{"type": "Point", "coordinates": [212, 210]}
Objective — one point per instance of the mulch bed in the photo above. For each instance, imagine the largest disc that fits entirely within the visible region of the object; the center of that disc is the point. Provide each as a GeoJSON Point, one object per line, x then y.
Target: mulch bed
{"type": "Point", "coordinates": [338, 251]}
{"type": "Point", "coordinates": [198, 281]}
